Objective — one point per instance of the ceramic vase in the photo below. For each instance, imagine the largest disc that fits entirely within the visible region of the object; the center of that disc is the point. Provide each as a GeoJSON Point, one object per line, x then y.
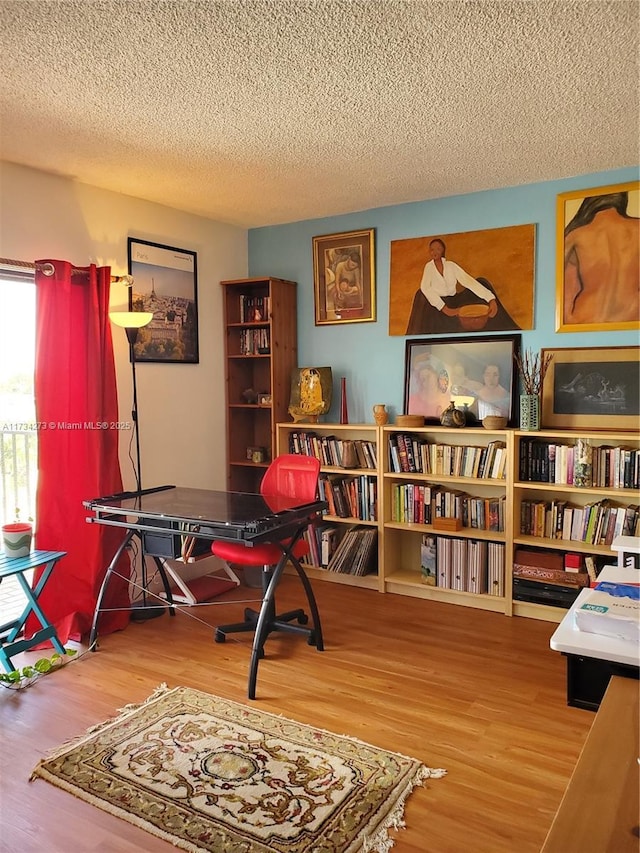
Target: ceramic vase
{"type": "Point", "coordinates": [344, 414]}
{"type": "Point", "coordinates": [529, 412]}
{"type": "Point", "coordinates": [380, 414]}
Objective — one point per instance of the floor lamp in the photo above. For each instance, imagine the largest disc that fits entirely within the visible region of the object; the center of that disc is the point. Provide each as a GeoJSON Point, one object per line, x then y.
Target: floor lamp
{"type": "Point", "coordinates": [131, 321]}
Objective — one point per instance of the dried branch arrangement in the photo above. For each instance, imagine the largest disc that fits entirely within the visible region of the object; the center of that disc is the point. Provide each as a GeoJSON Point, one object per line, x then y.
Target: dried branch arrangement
{"type": "Point", "coordinates": [532, 368]}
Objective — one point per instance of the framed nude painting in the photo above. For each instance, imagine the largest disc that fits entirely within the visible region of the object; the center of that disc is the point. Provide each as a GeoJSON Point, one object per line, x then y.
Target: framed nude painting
{"type": "Point", "coordinates": [598, 259]}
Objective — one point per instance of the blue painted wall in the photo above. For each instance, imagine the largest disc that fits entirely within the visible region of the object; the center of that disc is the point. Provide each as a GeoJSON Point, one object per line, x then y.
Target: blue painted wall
{"type": "Point", "coordinates": [364, 353]}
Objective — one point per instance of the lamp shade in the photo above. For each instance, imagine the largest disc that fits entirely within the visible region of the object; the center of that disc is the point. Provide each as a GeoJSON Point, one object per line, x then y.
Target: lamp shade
{"type": "Point", "coordinates": [131, 319]}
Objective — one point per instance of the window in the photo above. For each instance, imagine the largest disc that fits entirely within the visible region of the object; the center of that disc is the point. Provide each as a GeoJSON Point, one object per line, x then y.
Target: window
{"type": "Point", "coordinates": [18, 434]}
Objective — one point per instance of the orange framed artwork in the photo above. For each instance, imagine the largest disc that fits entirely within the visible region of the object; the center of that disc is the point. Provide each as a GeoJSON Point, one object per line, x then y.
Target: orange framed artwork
{"type": "Point", "coordinates": [473, 281]}
{"type": "Point", "coordinates": [598, 259]}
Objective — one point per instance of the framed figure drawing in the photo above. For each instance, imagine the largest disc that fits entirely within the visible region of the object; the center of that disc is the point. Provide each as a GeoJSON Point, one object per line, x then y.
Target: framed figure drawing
{"type": "Point", "coordinates": [598, 259]}
{"type": "Point", "coordinates": [165, 283]}
{"type": "Point", "coordinates": [592, 388]}
{"type": "Point", "coordinates": [344, 278]}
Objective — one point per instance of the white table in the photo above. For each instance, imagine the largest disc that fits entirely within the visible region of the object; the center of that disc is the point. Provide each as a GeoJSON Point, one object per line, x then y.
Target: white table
{"type": "Point", "coordinates": [592, 658]}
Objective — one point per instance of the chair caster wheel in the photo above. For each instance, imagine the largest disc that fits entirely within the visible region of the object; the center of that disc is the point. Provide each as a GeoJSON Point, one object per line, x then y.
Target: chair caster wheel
{"type": "Point", "coordinates": [219, 636]}
{"type": "Point", "coordinates": [311, 639]}
{"type": "Point", "coordinates": [303, 619]}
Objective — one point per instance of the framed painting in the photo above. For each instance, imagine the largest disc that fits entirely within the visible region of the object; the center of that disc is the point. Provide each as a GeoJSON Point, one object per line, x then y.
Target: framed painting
{"type": "Point", "coordinates": [592, 388]}
{"type": "Point", "coordinates": [344, 278]}
{"type": "Point", "coordinates": [472, 281]}
{"type": "Point", "coordinates": [165, 283]}
{"type": "Point", "coordinates": [598, 259]}
{"type": "Point", "coordinates": [477, 374]}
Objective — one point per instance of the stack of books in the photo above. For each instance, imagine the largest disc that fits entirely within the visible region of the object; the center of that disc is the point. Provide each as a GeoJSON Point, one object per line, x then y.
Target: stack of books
{"type": "Point", "coordinates": [355, 552]}
{"type": "Point", "coordinates": [612, 608]}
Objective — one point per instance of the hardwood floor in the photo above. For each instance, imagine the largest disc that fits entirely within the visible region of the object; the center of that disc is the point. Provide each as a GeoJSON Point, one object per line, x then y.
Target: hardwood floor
{"type": "Point", "coordinates": [474, 692]}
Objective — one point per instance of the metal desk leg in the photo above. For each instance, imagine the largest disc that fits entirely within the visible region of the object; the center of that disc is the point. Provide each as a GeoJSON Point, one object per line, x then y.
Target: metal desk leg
{"type": "Point", "coordinates": [93, 636]}
{"type": "Point", "coordinates": [165, 582]}
{"type": "Point", "coordinates": [313, 607]}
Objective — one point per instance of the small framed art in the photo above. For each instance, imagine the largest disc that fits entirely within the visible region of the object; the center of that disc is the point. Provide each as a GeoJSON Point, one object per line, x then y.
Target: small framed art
{"type": "Point", "coordinates": [592, 388]}
{"type": "Point", "coordinates": [344, 278]}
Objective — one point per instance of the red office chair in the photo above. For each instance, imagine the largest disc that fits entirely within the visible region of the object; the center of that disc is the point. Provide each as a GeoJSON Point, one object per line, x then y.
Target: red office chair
{"type": "Point", "coordinates": [291, 476]}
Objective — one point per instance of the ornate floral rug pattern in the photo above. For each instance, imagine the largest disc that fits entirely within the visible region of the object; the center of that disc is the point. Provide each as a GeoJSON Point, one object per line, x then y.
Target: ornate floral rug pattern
{"type": "Point", "coordinates": [208, 774]}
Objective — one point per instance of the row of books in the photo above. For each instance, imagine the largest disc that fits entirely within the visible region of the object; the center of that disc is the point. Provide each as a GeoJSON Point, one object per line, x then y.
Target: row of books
{"type": "Point", "coordinates": [334, 452]}
{"type": "Point", "coordinates": [416, 503]}
{"type": "Point", "coordinates": [350, 496]}
{"type": "Point", "coordinates": [254, 341]}
{"type": "Point", "coordinates": [254, 309]}
{"type": "Point", "coordinates": [609, 467]}
{"type": "Point", "coordinates": [596, 523]}
{"type": "Point", "coordinates": [411, 454]}
{"type": "Point", "coordinates": [467, 565]}
{"type": "Point", "coordinates": [351, 552]}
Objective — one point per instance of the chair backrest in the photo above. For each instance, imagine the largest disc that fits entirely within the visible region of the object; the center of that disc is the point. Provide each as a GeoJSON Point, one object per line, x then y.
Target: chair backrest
{"type": "Point", "coordinates": [292, 476]}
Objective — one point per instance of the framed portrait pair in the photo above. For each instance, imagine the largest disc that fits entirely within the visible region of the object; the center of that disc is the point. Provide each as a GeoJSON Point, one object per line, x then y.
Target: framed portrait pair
{"type": "Point", "coordinates": [477, 374]}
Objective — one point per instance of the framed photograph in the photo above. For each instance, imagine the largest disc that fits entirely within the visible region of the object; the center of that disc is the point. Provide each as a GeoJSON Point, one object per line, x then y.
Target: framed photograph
{"type": "Point", "coordinates": [477, 373]}
{"type": "Point", "coordinates": [344, 278]}
{"type": "Point", "coordinates": [592, 388]}
{"type": "Point", "coordinates": [597, 261]}
{"type": "Point", "coordinates": [264, 399]}
{"type": "Point", "coordinates": [165, 283]}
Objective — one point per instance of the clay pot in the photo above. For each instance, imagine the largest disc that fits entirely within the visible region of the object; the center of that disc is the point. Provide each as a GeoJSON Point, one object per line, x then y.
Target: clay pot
{"type": "Point", "coordinates": [380, 414]}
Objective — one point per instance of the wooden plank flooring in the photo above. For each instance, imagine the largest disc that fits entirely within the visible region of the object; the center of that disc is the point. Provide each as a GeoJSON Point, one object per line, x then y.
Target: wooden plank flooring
{"type": "Point", "coordinates": [474, 692]}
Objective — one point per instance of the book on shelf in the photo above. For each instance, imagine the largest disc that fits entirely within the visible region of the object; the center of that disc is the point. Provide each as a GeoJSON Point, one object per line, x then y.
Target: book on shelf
{"type": "Point", "coordinates": [495, 568]}
{"type": "Point", "coordinates": [328, 544]}
{"type": "Point", "coordinates": [554, 576]}
{"type": "Point", "coordinates": [477, 572]}
{"type": "Point", "coordinates": [428, 560]}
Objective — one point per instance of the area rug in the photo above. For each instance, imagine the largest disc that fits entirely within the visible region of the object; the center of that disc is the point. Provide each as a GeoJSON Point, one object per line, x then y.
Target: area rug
{"type": "Point", "coordinates": [207, 774]}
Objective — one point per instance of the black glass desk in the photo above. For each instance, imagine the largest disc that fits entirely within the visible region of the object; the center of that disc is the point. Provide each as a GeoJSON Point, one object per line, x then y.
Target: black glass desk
{"type": "Point", "coordinates": [160, 517]}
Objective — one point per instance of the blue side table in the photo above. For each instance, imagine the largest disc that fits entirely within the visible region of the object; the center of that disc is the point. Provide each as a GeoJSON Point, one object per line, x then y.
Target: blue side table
{"type": "Point", "coordinates": [10, 631]}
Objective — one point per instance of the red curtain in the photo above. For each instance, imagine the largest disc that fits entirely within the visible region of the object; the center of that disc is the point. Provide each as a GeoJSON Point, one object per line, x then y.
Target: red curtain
{"type": "Point", "coordinates": [76, 407]}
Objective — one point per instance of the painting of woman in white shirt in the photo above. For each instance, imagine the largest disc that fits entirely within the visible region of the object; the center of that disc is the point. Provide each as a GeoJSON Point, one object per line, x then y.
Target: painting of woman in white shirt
{"type": "Point", "coordinates": [445, 287]}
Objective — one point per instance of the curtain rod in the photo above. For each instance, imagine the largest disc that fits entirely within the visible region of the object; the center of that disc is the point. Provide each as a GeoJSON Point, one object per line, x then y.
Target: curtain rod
{"type": "Point", "coordinates": [49, 269]}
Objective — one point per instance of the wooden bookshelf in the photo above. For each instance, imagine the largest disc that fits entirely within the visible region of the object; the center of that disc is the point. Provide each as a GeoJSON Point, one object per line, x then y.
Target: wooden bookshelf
{"type": "Point", "coordinates": [260, 324]}
{"type": "Point", "coordinates": [434, 478]}
{"type": "Point", "coordinates": [327, 443]}
{"type": "Point", "coordinates": [455, 474]}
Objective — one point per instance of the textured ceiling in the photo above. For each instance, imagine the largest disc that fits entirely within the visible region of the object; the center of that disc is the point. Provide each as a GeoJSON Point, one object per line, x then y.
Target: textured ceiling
{"type": "Point", "coordinates": [259, 112]}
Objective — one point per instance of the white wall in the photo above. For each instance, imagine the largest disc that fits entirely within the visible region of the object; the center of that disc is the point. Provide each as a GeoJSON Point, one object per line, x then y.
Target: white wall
{"type": "Point", "coordinates": [182, 408]}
